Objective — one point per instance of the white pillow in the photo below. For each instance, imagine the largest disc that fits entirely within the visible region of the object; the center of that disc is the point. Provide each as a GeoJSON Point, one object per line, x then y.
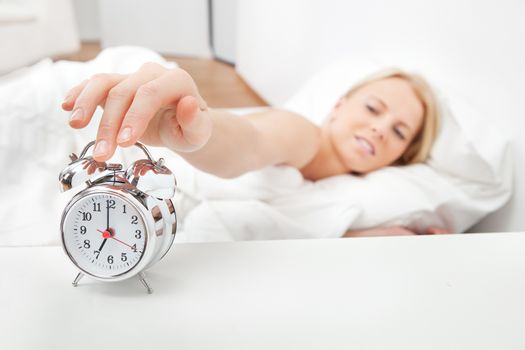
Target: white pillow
{"type": "Point", "coordinates": [468, 175]}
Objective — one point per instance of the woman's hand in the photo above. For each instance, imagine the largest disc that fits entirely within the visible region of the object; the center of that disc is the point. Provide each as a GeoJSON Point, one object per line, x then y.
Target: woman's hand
{"type": "Point", "coordinates": [395, 231]}
{"type": "Point", "coordinates": [155, 105]}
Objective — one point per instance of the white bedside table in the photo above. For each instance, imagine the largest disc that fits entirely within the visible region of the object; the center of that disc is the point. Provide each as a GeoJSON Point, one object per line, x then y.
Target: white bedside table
{"type": "Point", "coordinates": [420, 292]}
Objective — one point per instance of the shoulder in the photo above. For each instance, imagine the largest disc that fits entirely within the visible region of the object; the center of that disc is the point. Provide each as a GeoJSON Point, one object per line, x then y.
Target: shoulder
{"type": "Point", "coordinates": [293, 135]}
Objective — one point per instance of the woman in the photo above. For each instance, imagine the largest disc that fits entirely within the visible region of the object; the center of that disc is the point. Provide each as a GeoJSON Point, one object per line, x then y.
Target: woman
{"type": "Point", "coordinates": [390, 118]}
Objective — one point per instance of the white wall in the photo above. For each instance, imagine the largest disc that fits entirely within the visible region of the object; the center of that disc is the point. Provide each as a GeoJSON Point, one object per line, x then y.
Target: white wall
{"type": "Point", "coordinates": [33, 29]}
{"type": "Point", "coordinates": [224, 29]}
{"type": "Point", "coordinates": [87, 14]}
{"type": "Point", "coordinates": [477, 45]}
{"type": "Point", "coordinates": [178, 27]}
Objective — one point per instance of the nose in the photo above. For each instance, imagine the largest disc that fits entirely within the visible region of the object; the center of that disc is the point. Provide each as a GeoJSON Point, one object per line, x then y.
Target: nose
{"type": "Point", "coordinates": [378, 133]}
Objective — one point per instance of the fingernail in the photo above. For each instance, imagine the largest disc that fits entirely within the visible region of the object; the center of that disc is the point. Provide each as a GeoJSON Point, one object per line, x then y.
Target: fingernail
{"type": "Point", "coordinates": [101, 148]}
{"type": "Point", "coordinates": [77, 115]}
{"type": "Point", "coordinates": [124, 135]}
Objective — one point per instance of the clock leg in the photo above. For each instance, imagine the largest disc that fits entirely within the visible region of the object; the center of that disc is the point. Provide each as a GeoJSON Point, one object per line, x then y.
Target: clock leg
{"type": "Point", "coordinates": [77, 279]}
{"type": "Point", "coordinates": [142, 277]}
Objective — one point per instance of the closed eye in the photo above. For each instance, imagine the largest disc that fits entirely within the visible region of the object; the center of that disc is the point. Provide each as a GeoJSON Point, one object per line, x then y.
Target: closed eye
{"type": "Point", "coordinates": [399, 133]}
{"type": "Point", "coordinates": [372, 109]}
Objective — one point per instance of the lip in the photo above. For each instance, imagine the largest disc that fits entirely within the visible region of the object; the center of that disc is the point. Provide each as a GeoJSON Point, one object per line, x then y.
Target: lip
{"type": "Point", "coordinates": [365, 145]}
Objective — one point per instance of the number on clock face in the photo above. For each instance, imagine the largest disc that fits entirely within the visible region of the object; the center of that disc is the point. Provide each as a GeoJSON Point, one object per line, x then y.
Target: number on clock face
{"type": "Point", "coordinates": [104, 234]}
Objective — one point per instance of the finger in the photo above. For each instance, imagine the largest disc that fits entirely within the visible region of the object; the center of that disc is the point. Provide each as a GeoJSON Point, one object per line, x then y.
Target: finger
{"type": "Point", "coordinates": [407, 232]}
{"type": "Point", "coordinates": [186, 130]}
{"type": "Point", "coordinates": [195, 124]}
{"type": "Point", "coordinates": [437, 230]}
{"type": "Point", "coordinates": [72, 95]}
{"type": "Point", "coordinates": [117, 104]}
{"type": "Point", "coordinates": [164, 91]}
{"type": "Point", "coordinates": [396, 231]}
{"type": "Point", "coordinates": [442, 231]}
{"type": "Point", "coordinates": [91, 96]}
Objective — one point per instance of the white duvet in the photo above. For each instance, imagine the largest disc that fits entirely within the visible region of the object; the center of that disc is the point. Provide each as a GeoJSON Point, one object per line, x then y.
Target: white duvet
{"type": "Point", "coordinates": [272, 203]}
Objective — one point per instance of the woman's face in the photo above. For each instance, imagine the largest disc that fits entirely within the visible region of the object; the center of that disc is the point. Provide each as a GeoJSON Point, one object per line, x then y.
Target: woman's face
{"type": "Point", "coordinates": [373, 127]}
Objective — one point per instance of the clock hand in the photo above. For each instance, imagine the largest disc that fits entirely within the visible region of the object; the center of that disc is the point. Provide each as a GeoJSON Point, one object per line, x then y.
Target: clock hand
{"type": "Point", "coordinates": [102, 245]}
{"type": "Point", "coordinates": [109, 234]}
{"type": "Point", "coordinates": [107, 215]}
{"type": "Point", "coordinates": [106, 234]}
{"type": "Point", "coordinates": [118, 240]}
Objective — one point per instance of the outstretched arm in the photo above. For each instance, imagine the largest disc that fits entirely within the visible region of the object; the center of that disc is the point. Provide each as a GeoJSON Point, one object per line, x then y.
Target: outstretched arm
{"type": "Point", "coordinates": [162, 107]}
{"type": "Point", "coordinates": [240, 144]}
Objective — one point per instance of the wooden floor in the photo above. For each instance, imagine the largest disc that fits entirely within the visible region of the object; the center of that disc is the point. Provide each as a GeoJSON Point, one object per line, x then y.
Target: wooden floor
{"type": "Point", "coordinates": [219, 83]}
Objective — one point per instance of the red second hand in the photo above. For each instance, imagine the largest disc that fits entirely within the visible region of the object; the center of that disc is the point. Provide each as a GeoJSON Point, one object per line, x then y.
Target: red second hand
{"type": "Point", "coordinates": [107, 234]}
{"type": "Point", "coordinates": [118, 240]}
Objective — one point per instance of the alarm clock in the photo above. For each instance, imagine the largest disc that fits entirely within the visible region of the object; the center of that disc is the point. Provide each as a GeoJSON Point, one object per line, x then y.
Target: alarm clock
{"type": "Point", "coordinates": [123, 221]}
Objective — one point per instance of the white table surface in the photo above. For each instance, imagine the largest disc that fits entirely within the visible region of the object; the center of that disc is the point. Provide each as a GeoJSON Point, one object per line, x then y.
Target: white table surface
{"type": "Point", "coordinates": [419, 292]}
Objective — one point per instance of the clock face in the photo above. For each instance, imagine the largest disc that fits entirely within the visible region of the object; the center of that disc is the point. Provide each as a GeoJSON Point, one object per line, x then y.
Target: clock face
{"type": "Point", "coordinates": [104, 234]}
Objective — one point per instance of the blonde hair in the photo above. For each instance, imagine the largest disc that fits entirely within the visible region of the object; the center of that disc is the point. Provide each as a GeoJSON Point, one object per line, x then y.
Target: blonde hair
{"type": "Point", "coordinates": [419, 148]}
